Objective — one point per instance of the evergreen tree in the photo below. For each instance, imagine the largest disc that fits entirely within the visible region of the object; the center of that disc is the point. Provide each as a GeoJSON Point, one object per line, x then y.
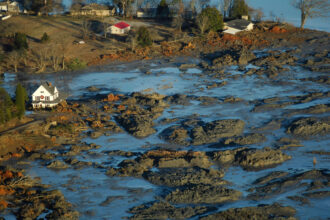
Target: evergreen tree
{"type": "Point", "coordinates": [21, 98]}
{"type": "Point", "coordinates": [143, 37]}
{"type": "Point", "coordinates": [6, 106]}
{"type": "Point", "coordinates": [239, 9]}
{"type": "Point", "coordinates": [214, 21]}
{"type": "Point", "coordinates": [20, 41]}
{"type": "Point", "coordinates": [163, 10]}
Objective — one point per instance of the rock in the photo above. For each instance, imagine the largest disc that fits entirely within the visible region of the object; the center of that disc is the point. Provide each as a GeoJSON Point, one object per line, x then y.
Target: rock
{"type": "Point", "coordinates": [285, 143]}
{"type": "Point", "coordinates": [138, 125]}
{"type": "Point", "coordinates": [270, 177]}
{"type": "Point", "coordinates": [232, 99]}
{"type": "Point", "coordinates": [164, 210]}
{"type": "Point", "coordinates": [318, 194]}
{"type": "Point", "coordinates": [197, 132]}
{"type": "Point", "coordinates": [232, 57]}
{"type": "Point", "coordinates": [31, 210]}
{"type": "Point", "coordinates": [178, 99]}
{"type": "Point", "coordinates": [302, 200]}
{"type": "Point", "coordinates": [261, 212]}
{"type": "Point", "coordinates": [130, 167]}
{"type": "Point", "coordinates": [174, 177]}
{"type": "Point", "coordinates": [285, 183]}
{"type": "Point", "coordinates": [246, 140]}
{"type": "Point", "coordinates": [305, 127]}
{"type": "Point", "coordinates": [260, 159]}
{"type": "Point", "coordinates": [250, 159]}
{"type": "Point", "coordinates": [110, 199]}
{"type": "Point", "coordinates": [225, 157]}
{"type": "Point", "coordinates": [95, 134]}
{"type": "Point", "coordinates": [93, 89]}
{"type": "Point", "coordinates": [207, 194]}
{"type": "Point", "coordinates": [176, 135]}
{"type": "Point", "coordinates": [187, 66]}
{"type": "Point", "coordinates": [57, 164]}
{"type": "Point", "coordinates": [213, 131]}
{"type": "Point", "coordinates": [160, 159]}
{"type": "Point", "coordinates": [317, 109]}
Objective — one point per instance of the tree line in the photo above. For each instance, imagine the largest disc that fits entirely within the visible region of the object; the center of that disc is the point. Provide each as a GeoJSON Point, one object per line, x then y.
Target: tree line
{"type": "Point", "coordinates": [10, 108]}
{"type": "Point", "coordinates": [228, 8]}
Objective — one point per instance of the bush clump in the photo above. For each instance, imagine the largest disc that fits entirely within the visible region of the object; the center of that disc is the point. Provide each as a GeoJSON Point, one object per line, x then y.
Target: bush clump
{"type": "Point", "coordinates": [63, 128]}
{"type": "Point", "coordinates": [76, 64]}
{"type": "Point", "coordinates": [20, 41]}
{"type": "Point", "coordinates": [214, 19]}
{"type": "Point", "coordinates": [143, 37]}
{"type": "Point", "coordinates": [45, 38]}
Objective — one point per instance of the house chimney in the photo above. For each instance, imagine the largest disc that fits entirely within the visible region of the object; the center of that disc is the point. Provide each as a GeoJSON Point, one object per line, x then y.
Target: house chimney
{"type": "Point", "coordinates": [245, 17]}
{"type": "Point", "coordinates": [49, 84]}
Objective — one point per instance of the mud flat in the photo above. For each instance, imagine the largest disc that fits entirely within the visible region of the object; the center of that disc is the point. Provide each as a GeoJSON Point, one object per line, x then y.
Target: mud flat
{"type": "Point", "coordinates": [226, 135]}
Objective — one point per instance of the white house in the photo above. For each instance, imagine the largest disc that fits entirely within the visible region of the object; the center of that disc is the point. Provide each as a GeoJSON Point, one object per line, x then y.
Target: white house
{"type": "Point", "coordinates": [238, 25]}
{"type": "Point", "coordinates": [46, 96]}
{"type": "Point", "coordinates": [119, 28]}
{"type": "Point", "coordinates": [11, 7]}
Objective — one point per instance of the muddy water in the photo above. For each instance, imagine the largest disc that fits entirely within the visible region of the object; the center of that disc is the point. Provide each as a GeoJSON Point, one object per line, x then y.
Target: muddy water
{"type": "Point", "coordinates": [98, 196]}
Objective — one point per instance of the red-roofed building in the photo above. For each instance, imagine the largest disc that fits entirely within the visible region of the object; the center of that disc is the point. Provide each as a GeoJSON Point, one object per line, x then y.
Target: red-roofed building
{"type": "Point", "coordinates": [120, 28]}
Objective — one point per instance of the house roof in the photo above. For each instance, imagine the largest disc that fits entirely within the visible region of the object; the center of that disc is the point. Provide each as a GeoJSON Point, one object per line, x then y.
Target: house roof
{"type": "Point", "coordinates": [122, 25]}
{"type": "Point", "coordinates": [239, 24]}
{"type": "Point", "coordinates": [48, 86]}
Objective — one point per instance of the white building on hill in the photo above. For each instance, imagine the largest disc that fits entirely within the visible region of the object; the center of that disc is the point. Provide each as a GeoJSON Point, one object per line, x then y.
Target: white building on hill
{"type": "Point", "coordinates": [46, 96]}
{"type": "Point", "coordinates": [119, 28]}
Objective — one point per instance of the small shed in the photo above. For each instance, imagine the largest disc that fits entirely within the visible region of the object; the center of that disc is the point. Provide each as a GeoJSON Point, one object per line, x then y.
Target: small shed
{"type": "Point", "coordinates": [120, 28]}
{"type": "Point", "coordinates": [238, 25]}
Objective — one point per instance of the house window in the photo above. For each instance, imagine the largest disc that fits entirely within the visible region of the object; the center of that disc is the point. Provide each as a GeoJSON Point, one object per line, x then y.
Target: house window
{"type": "Point", "coordinates": [41, 91]}
{"type": "Point", "coordinates": [37, 98]}
{"type": "Point", "coordinates": [47, 98]}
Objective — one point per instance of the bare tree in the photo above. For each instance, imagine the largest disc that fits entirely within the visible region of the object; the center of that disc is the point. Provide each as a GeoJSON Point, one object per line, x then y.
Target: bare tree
{"type": "Point", "coordinates": [311, 9]}
{"type": "Point", "coordinates": [86, 25]}
{"type": "Point", "coordinates": [132, 39]}
{"type": "Point", "coordinates": [105, 27]}
{"type": "Point", "coordinates": [55, 56]}
{"type": "Point", "coordinates": [179, 18]}
{"type": "Point", "coordinates": [124, 5]}
{"type": "Point", "coordinates": [40, 57]}
{"type": "Point", "coordinates": [257, 14]}
{"type": "Point", "coordinates": [225, 7]}
{"type": "Point", "coordinates": [14, 59]}
{"type": "Point", "coordinates": [202, 23]}
{"type": "Point", "coordinates": [201, 4]}
{"type": "Point", "coordinates": [63, 51]}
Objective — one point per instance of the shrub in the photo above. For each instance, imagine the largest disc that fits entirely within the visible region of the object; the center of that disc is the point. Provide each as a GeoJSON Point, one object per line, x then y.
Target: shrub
{"type": "Point", "coordinates": [45, 38]}
{"type": "Point", "coordinates": [63, 128]}
{"type": "Point", "coordinates": [76, 64]}
{"type": "Point", "coordinates": [143, 37]}
{"type": "Point", "coordinates": [20, 41]}
{"type": "Point", "coordinates": [214, 18]}
{"type": "Point", "coordinates": [238, 9]}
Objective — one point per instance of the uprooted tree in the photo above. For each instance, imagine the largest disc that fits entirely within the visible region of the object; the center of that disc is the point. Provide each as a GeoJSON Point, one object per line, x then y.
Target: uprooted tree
{"type": "Point", "coordinates": [311, 9]}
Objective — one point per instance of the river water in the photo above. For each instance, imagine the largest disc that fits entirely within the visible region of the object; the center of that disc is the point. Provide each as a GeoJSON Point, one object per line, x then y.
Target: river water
{"type": "Point", "coordinates": [88, 188]}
